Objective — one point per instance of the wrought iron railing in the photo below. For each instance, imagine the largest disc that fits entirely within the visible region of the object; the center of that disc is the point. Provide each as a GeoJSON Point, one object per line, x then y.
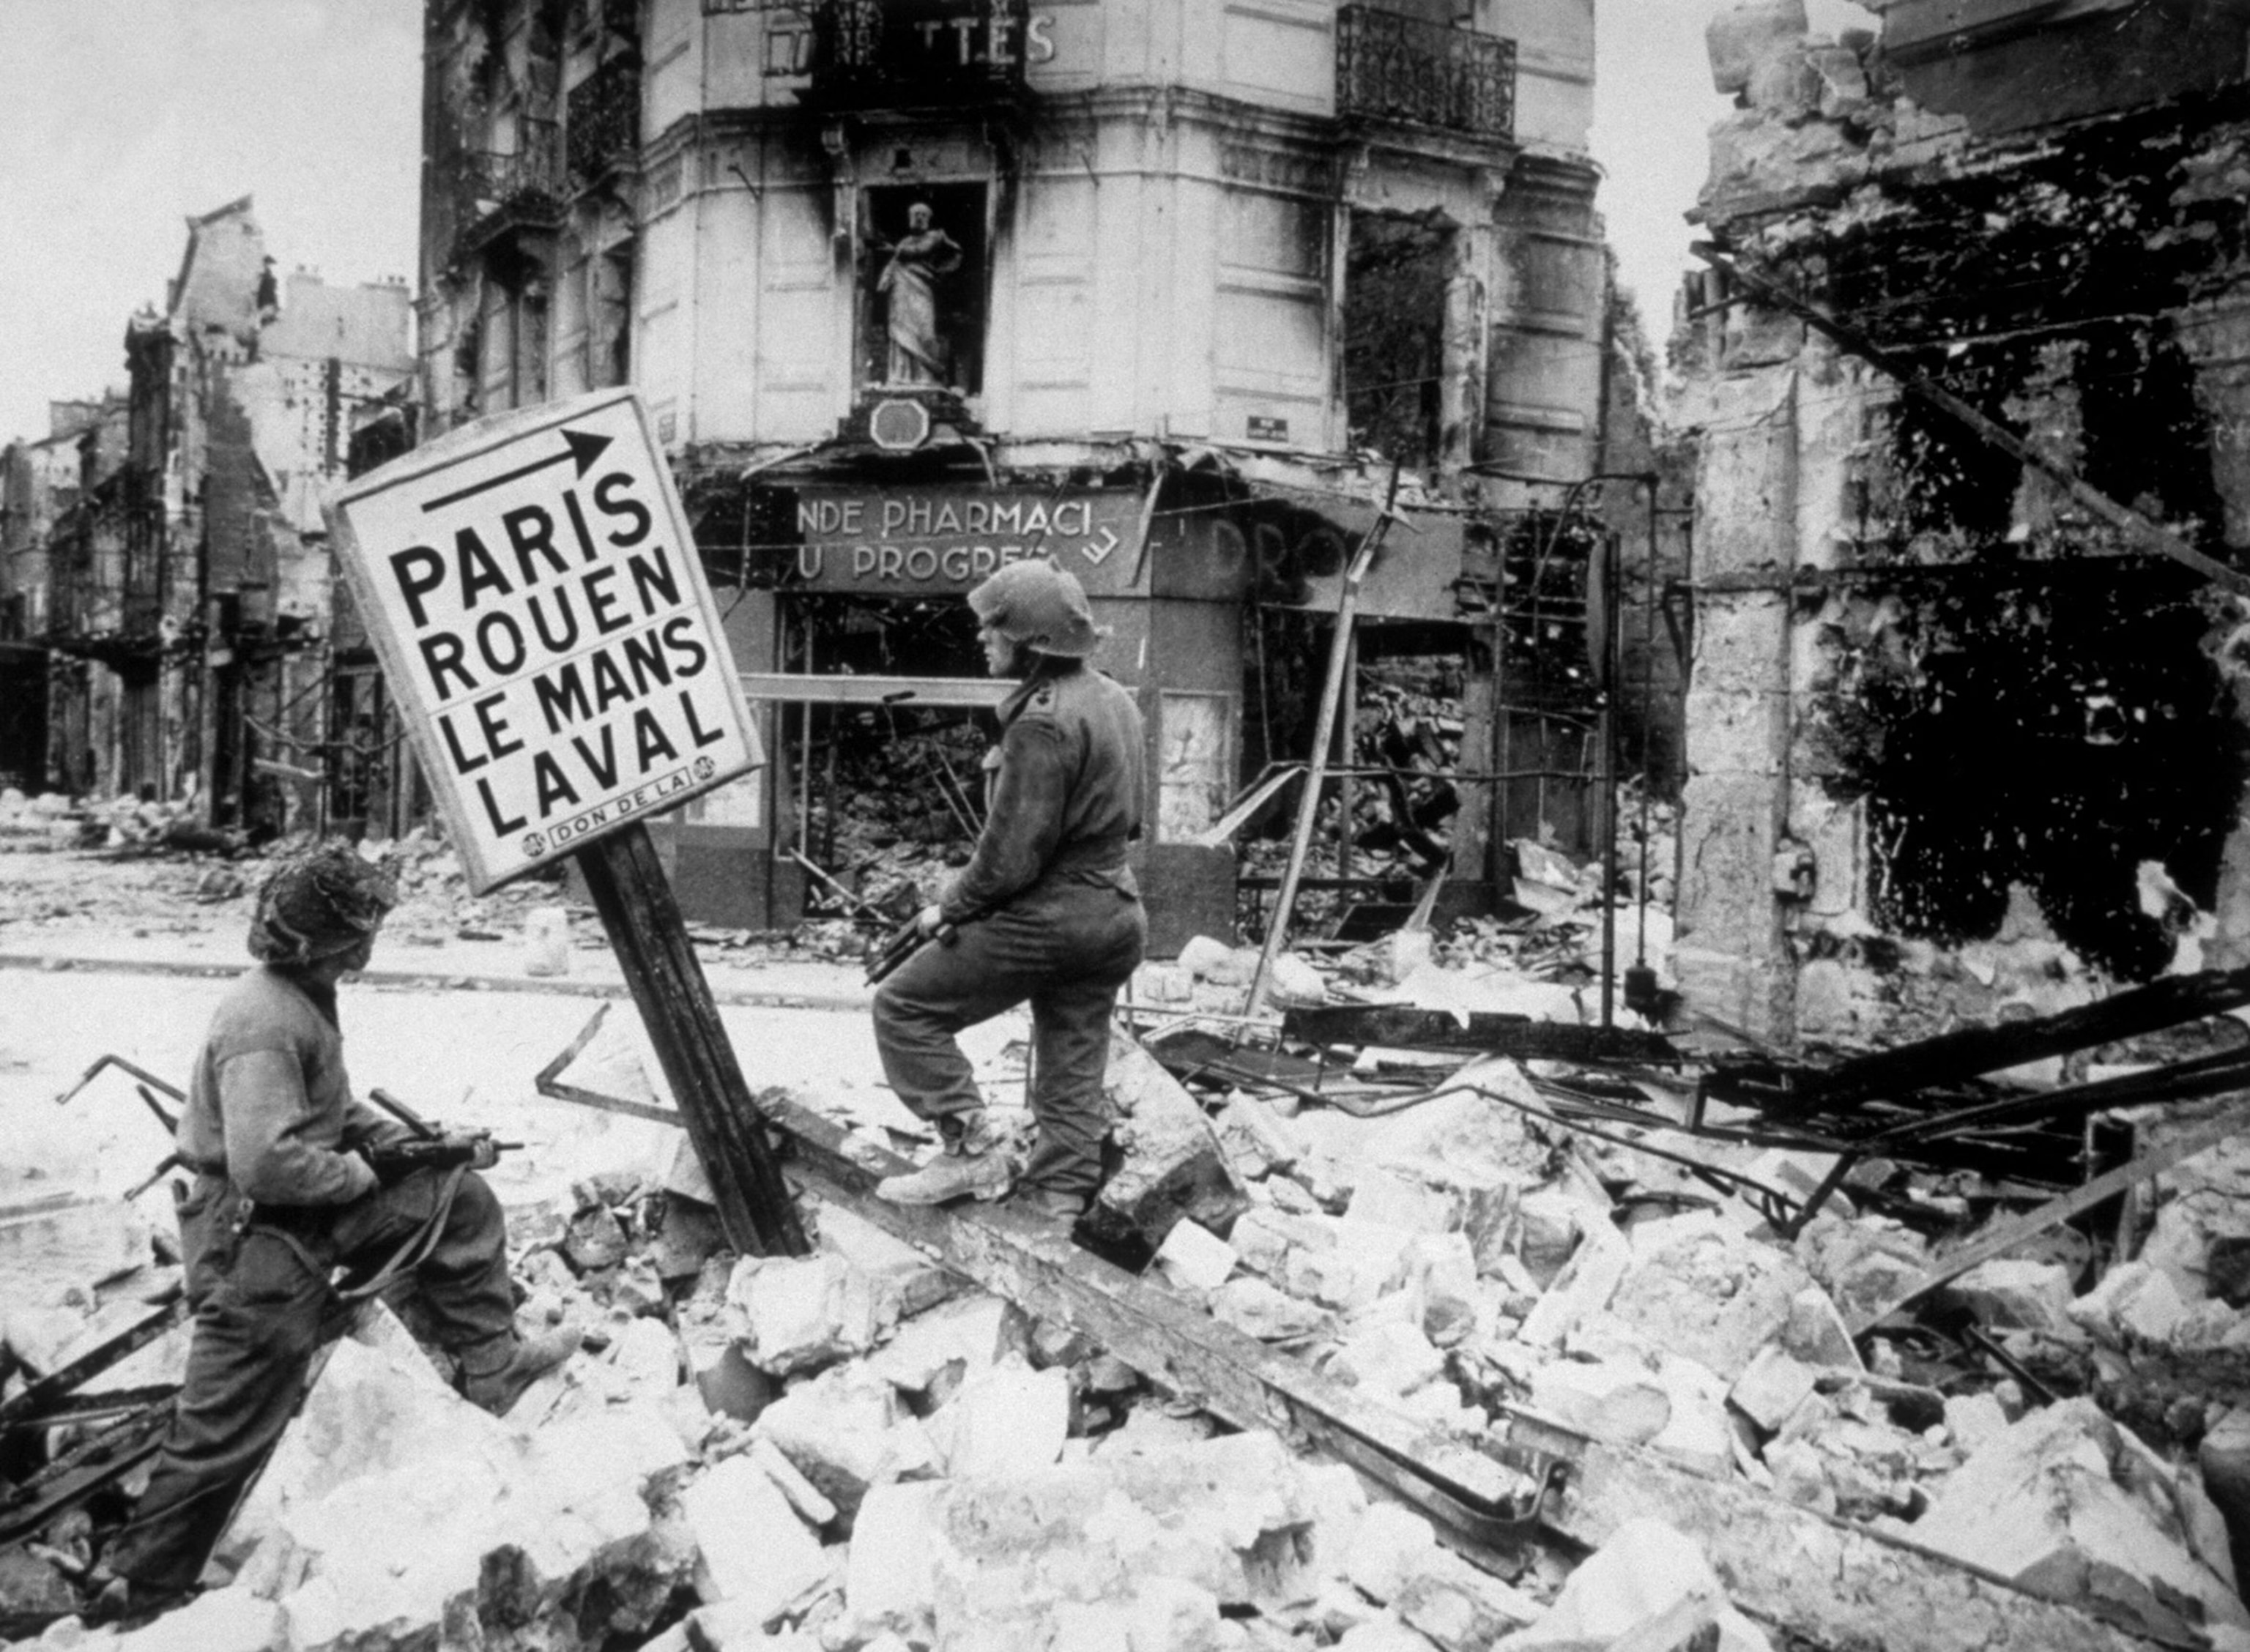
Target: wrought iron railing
{"type": "Point", "coordinates": [603, 117]}
{"type": "Point", "coordinates": [1393, 67]}
{"type": "Point", "coordinates": [527, 180]}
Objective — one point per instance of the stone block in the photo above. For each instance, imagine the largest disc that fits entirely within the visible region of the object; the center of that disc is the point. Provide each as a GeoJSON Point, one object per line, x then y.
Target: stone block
{"type": "Point", "coordinates": [1770, 1386]}
{"type": "Point", "coordinates": [1700, 1290]}
{"type": "Point", "coordinates": [1862, 1263]}
{"type": "Point", "coordinates": [1549, 1223]}
{"type": "Point", "coordinates": [1007, 1419]}
{"type": "Point", "coordinates": [1227, 1519]}
{"type": "Point", "coordinates": [2009, 1294]}
{"type": "Point", "coordinates": [2136, 1302]}
{"type": "Point", "coordinates": [934, 1352]}
{"type": "Point", "coordinates": [1194, 1256]}
{"type": "Point", "coordinates": [1645, 1575]}
{"type": "Point", "coordinates": [803, 1313]}
{"type": "Point", "coordinates": [1972, 1419]}
{"type": "Point", "coordinates": [1257, 1309]}
{"type": "Point", "coordinates": [1361, 1262]}
{"type": "Point", "coordinates": [224, 1621]}
{"type": "Point", "coordinates": [846, 1430]}
{"type": "Point", "coordinates": [1616, 1403]}
{"type": "Point", "coordinates": [1459, 1607]}
{"type": "Point", "coordinates": [1172, 1164]}
{"type": "Point", "coordinates": [1460, 1141]}
{"type": "Point", "coordinates": [1396, 1200]}
{"type": "Point", "coordinates": [690, 1236]}
{"type": "Point", "coordinates": [1387, 1357]}
{"type": "Point", "coordinates": [902, 1274]}
{"type": "Point", "coordinates": [1388, 1545]}
{"type": "Point", "coordinates": [804, 1497]}
{"type": "Point", "coordinates": [890, 1579]}
{"type": "Point", "coordinates": [1586, 1285]}
{"type": "Point", "coordinates": [1739, 38]}
{"type": "Point", "coordinates": [1699, 1432]}
{"type": "Point", "coordinates": [754, 1549]}
{"type": "Point", "coordinates": [2066, 1505]}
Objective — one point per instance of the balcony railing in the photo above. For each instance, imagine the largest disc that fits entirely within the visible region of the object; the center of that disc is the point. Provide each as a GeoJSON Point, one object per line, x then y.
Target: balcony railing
{"type": "Point", "coordinates": [1392, 67]}
{"type": "Point", "coordinates": [522, 186]}
{"type": "Point", "coordinates": [604, 121]}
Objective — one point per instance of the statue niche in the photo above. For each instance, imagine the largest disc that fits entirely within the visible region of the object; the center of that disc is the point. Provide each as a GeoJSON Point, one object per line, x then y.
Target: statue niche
{"type": "Point", "coordinates": [925, 318]}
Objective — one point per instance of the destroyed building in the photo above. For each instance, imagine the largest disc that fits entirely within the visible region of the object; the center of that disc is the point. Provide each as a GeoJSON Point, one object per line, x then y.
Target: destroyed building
{"type": "Point", "coordinates": [166, 564]}
{"type": "Point", "coordinates": [1964, 731]}
{"type": "Point", "coordinates": [1180, 295]}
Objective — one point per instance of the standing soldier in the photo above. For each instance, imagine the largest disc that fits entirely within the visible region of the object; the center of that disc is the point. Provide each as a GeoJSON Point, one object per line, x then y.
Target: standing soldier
{"type": "Point", "coordinates": [1047, 910]}
{"type": "Point", "coordinates": [295, 1178]}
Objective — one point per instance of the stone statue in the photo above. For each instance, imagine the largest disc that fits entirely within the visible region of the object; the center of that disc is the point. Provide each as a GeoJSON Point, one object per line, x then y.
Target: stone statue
{"type": "Point", "coordinates": [926, 253]}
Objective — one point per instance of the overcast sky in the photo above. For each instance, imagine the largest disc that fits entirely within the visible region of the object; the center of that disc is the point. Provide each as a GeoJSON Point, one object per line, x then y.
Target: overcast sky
{"type": "Point", "coordinates": [119, 119]}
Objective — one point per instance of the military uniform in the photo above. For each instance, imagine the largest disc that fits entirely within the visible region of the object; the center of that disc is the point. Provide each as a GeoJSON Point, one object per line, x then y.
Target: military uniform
{"type": "Point", "coordinates": [1048, 912]}
{"type": "Point", "coordinates": [280, 1198]}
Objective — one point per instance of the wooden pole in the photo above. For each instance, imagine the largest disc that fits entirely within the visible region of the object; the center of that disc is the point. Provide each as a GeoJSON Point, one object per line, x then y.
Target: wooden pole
{"type": "Point", "coordinates": [1308, 806]}
{"type": "Point", "coordinates": [636, 903]}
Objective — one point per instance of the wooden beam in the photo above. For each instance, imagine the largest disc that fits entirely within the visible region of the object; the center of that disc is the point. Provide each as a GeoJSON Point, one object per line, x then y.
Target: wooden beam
{"type": "Point", "coordinates": [1179, 1347]}
{"type": "Point", "coordinates": [804, 687]}
{"type": "Point", "coordinates": [1981, 1050]}
{"type": "Point", "coordinates": [1401, 1027]}
{"type": "Point", "coordinates": [1838, 1584]}
{"type": "Point", "coordinates": [1828, 1582]}
{"type": "Point", "coordinates": [2005, 1237]}
{"type": "Point", "coordinates": [666, 979]}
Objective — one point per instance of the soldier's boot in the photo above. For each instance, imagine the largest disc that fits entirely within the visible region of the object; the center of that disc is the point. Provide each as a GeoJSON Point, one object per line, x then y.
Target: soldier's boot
{"type": "Point", "coordinates": [527, 1358]}
{"type": "Point", "coordinates": [971, 1163]}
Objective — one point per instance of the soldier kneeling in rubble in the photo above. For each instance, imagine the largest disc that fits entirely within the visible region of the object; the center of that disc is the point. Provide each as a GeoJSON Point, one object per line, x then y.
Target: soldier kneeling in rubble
{"type": "Point", "coordinates": [295, 1179]}
{"type": "Point", "coordinates": [1047, 910]}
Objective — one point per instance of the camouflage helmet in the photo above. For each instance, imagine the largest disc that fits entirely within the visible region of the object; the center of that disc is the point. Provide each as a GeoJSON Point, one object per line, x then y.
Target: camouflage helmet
{"type": "Point", "coordinates": [318, 902]}
{"type": "Point", "coordinates": [1040, 606]}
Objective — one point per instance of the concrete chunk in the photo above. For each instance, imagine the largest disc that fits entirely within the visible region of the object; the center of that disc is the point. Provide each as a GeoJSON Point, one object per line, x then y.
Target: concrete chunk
{"type": "Point", "coordinates": [890, 1579]}
{"type": "Point", "coordinates": [934, 1352]}
{"type": "Point", "coordinates": [803, 1313]}
{"type": "Point", "coordinates": [2136, 1302]}
{"type": "Point", "coordinates": [1609, 1401]}
{"type": "Point", "coordinates": [2014, 1295]}
{"type": "Point", "coordinates": [1459, 1607]}
{"type": "Point", "coordinates": [1173, 1166]}
{"type": "Point", "coordinates": [1194, 1257]}
{"type": "Point", "coordinates": [2066, 1505]}
{"type": "Point", "coordinates": [754, 1549]}
{"type": "Point", "coordinates": [1388, 1545]}
{"type": "Point", "coordinates": [1704, 1291]}
{"type": "Point", "coordinates": [902, 1275]}
{"type": "Point", "coordinates": [1772, 1386]}
{"type": "Point", "coordinates": [1005, 1420]}
{"type": "Point", "coordinates": [1645, 1576]}
{"type": "Point", "coordinates": [1587, 1284]}
{"type": "Point", "coordinates": [846, 1431]}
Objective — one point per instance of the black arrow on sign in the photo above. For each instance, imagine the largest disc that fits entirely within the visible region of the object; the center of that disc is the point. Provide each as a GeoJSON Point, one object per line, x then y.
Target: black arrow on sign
{"type": "Point", "coordinates": [583, 448]}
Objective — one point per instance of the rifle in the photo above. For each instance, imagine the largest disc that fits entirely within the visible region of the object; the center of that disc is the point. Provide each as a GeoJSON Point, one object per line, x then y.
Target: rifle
{"type": "Point", "coordinates": [429, 1147]}
{"type": "Point", "coordinates": [906, 941]}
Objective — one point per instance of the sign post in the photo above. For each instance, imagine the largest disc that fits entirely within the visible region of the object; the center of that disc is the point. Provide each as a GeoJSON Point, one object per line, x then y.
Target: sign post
{"type": "Point", "coordinates": [531, 585]}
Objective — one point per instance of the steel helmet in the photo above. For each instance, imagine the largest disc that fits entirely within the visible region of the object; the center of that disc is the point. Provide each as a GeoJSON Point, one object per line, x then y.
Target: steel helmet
{"type": "Point", "coordinates": [1037, 604]}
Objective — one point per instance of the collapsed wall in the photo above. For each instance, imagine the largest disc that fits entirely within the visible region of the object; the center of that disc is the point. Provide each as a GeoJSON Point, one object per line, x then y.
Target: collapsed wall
{"type": "Point", "coordinates": [1955, 743]}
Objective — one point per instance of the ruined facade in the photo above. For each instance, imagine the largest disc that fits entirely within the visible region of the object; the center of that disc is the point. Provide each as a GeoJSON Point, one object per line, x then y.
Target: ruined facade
{"type": "Point", "coordinates": [1162, 289]}
{"type": "Point", "coordinates": [1959, 740]}
{"type": "Point", "coordinates": [166, 549]}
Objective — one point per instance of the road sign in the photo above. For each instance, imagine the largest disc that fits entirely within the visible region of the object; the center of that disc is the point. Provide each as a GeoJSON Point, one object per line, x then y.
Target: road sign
{"type": "Point", "coordinates": [532, 586]}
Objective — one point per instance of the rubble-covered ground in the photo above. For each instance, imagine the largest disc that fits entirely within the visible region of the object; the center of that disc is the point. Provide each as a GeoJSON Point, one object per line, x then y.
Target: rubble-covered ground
{"type": "Point", "coordinates": [856, 1450]}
